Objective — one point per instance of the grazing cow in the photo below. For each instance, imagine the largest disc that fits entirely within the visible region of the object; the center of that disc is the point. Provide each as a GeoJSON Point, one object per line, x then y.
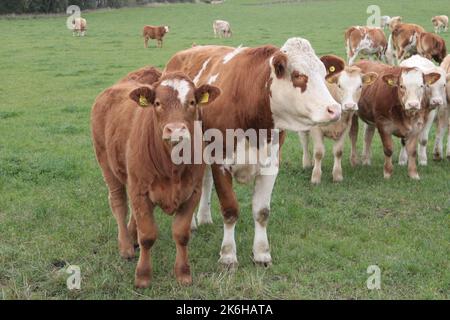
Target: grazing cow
{"type": "Point", "coordinates": [79, 27]}
{"type": "Point", "coordinates": [393, 22]}
{"type": "Point", "coordinates": [370, 41]}
{"type": "Point", "coordinates": [222, 28]}
{"type": "Point", "coordinates": [404, 40]}
{"type": "Point", "coordinates": [345, 87]}
{"type": "Point", "coordinates": [263, 88]}
{"type": "Point", "coordinates": [134, 128]}
{"type": "Point", "coordinates": [431, 46]}
{"type": "Point", "coordinates": [437, 104]}
{"type": "Point", "coordinates": [147, 75]}
{"type": "Point", "coordinates": [154, 32]}
{"type": "Point", "coordinates": [440, 23]}
{"type": "Point", "coordinates": [396, 104]}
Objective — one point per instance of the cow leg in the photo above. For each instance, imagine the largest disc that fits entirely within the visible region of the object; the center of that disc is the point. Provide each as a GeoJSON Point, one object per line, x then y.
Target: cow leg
{"type": "Point", "coordinates": [304, 141]}
{"type": "Point", "coordinates": [438, 150]}
{"type": "Point", "coordinates": [423, 138]}
{"type": "Point", "coordinates": [223, 183]}
{"type": "Point", "coordinates": [132, 230]}
{"type": "Point", "coordinates": [367, 150]}
{"type": "Point", "coordinates": [119, 207]}
{"type": "Point", "coordinates": [147, 234]}
{"type": "Point", "coordinates": [403, 155]}
{"type": "Point", "coordinates": [261, 210]}
{"type": "Point", "coordinates": [319, 153]}
{"type": "Point", "coordinates": [353, 134]}
{"type": "Point", "coordinates": [353, 58]}
{"type": "Point", "coordinates": [181, 233]}
{"type": "Point", "coordinates": [146, 42]}
{"type": "Point", "coordinates": [411, 148]}
{"type": "Point", "coordinates": [338, 148]}
{"type": "Point", "coordinates": [386, 139]}
{"type": "Point", "coordinates": [204, 209]}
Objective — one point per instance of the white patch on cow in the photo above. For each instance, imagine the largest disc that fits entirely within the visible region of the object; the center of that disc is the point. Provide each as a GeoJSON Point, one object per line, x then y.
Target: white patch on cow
{"type": "Point", "coordinates": [166, 28]}
{"type": "Point", "coordinates": [180, 85]}
{"type": "Point", "coordinates": [350, 85]}
{"type": "Point", "coordinates": [199, 74]}
{"type": "Point", "coordinates": [232, 54]}
{"type": "Point", "coordinates": [213, 78]}
{"type": "Point", "coordinates": [204, 208]}
{"type": "Point", "coordinates": [228, 250]}
{"type": "Point", "coordinates": [295, 110]}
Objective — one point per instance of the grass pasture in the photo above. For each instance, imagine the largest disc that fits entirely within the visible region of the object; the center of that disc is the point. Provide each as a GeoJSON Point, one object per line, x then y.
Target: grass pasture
{"type": "Point", "coordinates": [53, 201]}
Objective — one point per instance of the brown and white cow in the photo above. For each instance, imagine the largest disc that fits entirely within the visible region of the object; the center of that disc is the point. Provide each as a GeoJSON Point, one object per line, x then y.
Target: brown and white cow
{"type": "Point", "coordinates": [440, 23]}
{"type": "Point", "coordinates": [262, 88]}
{"type": "Point", "coordinates": [396, 104]}
{"type": "Point", "coordinates": [438, 106]}
{"type": "Point", "coordinates": [345, 87]}
{"type": "Point", "coordinates": [394, 21]}
{"type": "Point", "coordinates": [79, 27]}
{"type": "Point", "coordinates": [370, 41]}
{"type": "Point", "coordinates": [222, 29]}
{"type": "Point", "coordinates": [134, 129]}
{"type": "Point", "coordinates": [431, 46]}
{"type": "Point", "coordinates": [154, 32]}
{"type": "Point", "coordinates": [403, 40]}
{"type": "Point", "coordinates": [146, 75]}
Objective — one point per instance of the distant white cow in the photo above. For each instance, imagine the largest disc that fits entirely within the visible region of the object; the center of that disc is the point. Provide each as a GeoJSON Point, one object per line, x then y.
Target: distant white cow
{"type": "Point", "coordinates": [79, 26]}
{"type": "Point", "coordinates": [440, 23]}
{"type": "Point", "coordinates": [222, 28]}
{"type": "Point", "coordinates": [384, 21]}
{"type": "Point", "coordinates": [438, 102]}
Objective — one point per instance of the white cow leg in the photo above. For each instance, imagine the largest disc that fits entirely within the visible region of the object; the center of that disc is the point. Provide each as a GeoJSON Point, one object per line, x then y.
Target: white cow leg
{"type": "Point", "coordinates": [367, 151]}
{"type": "Point", "coordinates": [403, 155]}
{"type": "Point", "coordinates": [228, 250]}
{"type": "Point", "coordinates": [438, 150]}
{"type": "Point", "coordinates": [304, 141]}
{"type": "Point", "coordinates": [337, 153]}
{"type": "Point", "coordinates": [204, 209]}
{"type": "Point", "coordinates": [319, 153]}
{"type": "Point", "coordinates": [261, 211]}
{"type": "Point", "coordinates": [423, 139]}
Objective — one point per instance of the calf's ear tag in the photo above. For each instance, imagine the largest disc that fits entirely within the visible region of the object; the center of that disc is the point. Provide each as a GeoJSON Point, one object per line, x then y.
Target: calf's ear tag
{"type": "Point", "coordinates": [143, 101]}
{"type": "Point", "coordinates": [205, 98]}
{"type": "Point", "coordinates": [391, 82]}
{"type": "Point", "coordinates": [332, 69]}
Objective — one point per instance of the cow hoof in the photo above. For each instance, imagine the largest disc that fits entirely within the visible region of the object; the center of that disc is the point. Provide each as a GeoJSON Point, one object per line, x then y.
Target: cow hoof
{"type": "Point", "coordinates": [402, 163]}
{"type": "Point", "coordinates": [229, 262]}
{"type": "Point", "coordinates": [437, 157]}
{"type": "Point", "coordinates": [184, 280]}
{"type": "Point", "coordinates": [415, 176]}
{"type": "Point", "coordinates": [423, 162]}
{"type": "Point", "coordinates": [142, 283]}
{"type": "Point", "coordinates": [204, 218]}
{"type": "Point", "coordinates": [387, 175]}
{"type": "Point", "coordinates": [307, 165]}
{"type": "Point", "coordinates": [338, 179]}
{"type": "Point", "coordinates": [262, 260]}
{"type": "Point", "coordinates": [128, 253]}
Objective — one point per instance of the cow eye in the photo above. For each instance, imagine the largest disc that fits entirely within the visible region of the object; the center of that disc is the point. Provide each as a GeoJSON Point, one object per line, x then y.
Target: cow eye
{"type": "Point", "coordinates": [157, 104]}
{"type": "Point", "coordinates": [192, 103]}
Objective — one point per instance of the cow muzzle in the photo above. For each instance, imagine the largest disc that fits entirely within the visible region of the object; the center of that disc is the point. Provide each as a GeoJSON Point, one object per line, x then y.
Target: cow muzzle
{"type": "Point", "coordinates": [436, 102]}
{"type": "Point", "coordinates": [333, 112]}
{"type": "Point", "coordinates": [412, 106]}
{"type": "Point", "coordinates": [350, 106]}
{"type": "Point", "coordinates": [175, 132]}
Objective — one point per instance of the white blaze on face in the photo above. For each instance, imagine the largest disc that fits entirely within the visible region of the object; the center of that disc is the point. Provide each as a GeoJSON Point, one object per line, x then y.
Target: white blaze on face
{"type": "Point", "coordinates": [413, 88]}
{"type": "Point", "coordinates": [349, 90]}
{"type": "Point", "coordinates": [180, 85]}
{"type": "Point", "coordinates": [166, 28]}
{"type": "Point", "coordinates": [232, 54]}
{"type": "Point", "coordinates": [295, 110]}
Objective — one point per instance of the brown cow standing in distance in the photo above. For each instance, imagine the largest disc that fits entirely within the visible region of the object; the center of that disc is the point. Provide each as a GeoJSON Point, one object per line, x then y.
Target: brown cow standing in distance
{"type": "Point", "coordinates": [154, 32]}
{"type": "Point", "coordinates": [134, 128]}
{"type": "Point", "coordinates": [431, 46]}
{"type": "Point", "coordinates": [396, 104]}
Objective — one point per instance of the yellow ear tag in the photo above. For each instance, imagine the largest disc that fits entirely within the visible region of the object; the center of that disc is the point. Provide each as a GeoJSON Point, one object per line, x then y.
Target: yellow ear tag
{"type": "Point", "coordinates": [391, 82]}
{"type": "Point", "coordinates": [332, 69]}
{"type": "Point", "coordinates": [143, 101]}
{"type": "Point", "coordinates": [205, 98]}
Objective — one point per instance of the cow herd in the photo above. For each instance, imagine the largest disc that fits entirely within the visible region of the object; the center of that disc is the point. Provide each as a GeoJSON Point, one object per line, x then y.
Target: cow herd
{"type": "Point", "coordinates": [139, 121]}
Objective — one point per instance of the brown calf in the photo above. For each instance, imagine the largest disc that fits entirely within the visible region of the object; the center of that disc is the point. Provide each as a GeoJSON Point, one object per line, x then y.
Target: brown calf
{"type": "Point", "coordinates": [396, 104]}
{"type": "Point", "coordinates": [133, 128]}
{"type": "Point", "coordinates": [154, 32]}
{"type": "Point", "coordinates": [431, 46]}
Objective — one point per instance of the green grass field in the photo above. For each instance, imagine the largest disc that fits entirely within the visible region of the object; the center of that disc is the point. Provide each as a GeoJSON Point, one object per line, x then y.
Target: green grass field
{"type": "Point", "coordinates": [53, 201]}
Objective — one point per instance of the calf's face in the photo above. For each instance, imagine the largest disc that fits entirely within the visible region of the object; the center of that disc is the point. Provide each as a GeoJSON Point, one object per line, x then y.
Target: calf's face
{"type": "Point", "coordinates": [410, 85]}
{"type": "Point", "coordinates": [437, 92]}
{"type": "Point", "coordinates": [176, 101]}
{"type": "Point", "coordinates": [348, 86]}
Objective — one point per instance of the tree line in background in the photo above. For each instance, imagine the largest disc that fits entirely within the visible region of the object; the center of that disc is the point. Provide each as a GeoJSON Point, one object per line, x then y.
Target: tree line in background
{"type": "Point", "coordinates": [59, 6]}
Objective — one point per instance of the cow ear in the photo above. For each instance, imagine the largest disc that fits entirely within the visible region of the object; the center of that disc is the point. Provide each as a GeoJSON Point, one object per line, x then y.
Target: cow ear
{"type": "Point", "coordinates": [333, 64]}
{"type": "Point", "coordinates": [280, 64]}
{"type": "Point", "coordinates": [332, 78]}
{"type": "Point", "coordinates": [206, 94]}
{"type": "Point", "coordinates": [431, 78]}
{"type": "Point", "coordinates": [391, 79]}
{"type": "Point", "coordinates": [369, 78]}
{"type": "Point", "coordinates": [143, 96]}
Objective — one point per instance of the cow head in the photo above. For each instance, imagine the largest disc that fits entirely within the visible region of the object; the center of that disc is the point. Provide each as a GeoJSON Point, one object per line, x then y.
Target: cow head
{"type": "Point", "coordinates": [175, 100]}
{"type": "Point", "coordinates": [410, 84]}
{"type": "Point", "coordinates": [166, 28]}
{"type": "Point", "coordinates": [299, 98]}
{"type": "Point", "coordinates": [347, 86]}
